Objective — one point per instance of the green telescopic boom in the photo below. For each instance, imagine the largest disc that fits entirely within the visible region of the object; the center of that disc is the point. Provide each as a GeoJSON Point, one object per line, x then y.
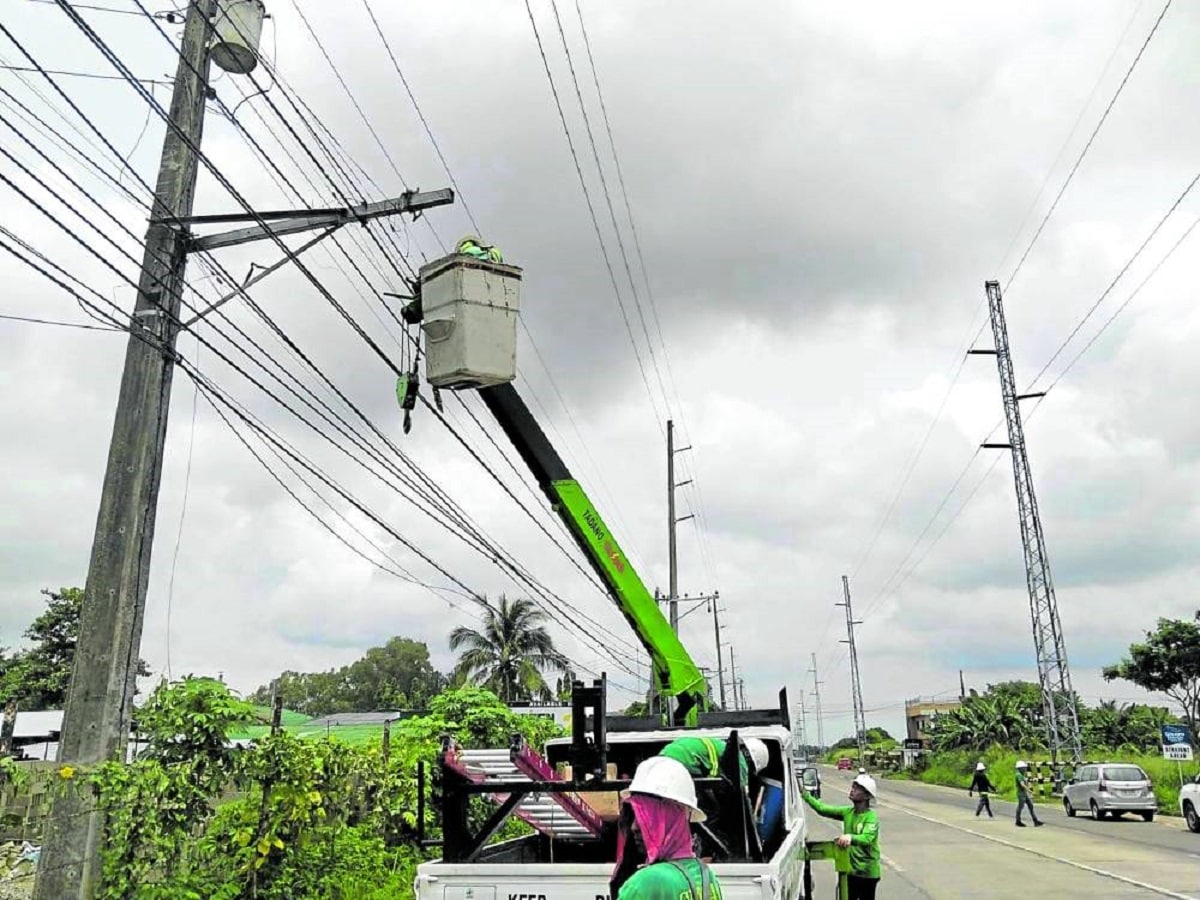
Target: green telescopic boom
{"type": "Point", "coordinates": [675, 672]}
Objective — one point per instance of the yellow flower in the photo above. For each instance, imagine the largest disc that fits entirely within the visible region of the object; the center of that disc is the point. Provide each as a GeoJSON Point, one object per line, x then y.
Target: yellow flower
{"type": "Point", "coordinates": [66, 773]}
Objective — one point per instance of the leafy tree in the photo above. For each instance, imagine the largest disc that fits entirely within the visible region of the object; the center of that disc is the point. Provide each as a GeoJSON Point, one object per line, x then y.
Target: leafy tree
{"type": "Point", "coordinates": [1134, 726]}
{"type": "Point", "coordinates": [637, 708]}
{"type": "Point", "coordinates": [873, 735]}
{"type": "Point", "coordinates": [397, 675]}
{"type": "Point", "coordinates": [1168, 662]}
{"type": "Point", "coordinates": [38, 677]}
{"type": "Point", "coordinates": [511, 653]}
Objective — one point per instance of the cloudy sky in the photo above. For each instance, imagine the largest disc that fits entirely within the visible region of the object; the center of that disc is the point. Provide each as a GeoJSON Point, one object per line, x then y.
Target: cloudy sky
{"type": "Point", "coordinates": [820, 193]}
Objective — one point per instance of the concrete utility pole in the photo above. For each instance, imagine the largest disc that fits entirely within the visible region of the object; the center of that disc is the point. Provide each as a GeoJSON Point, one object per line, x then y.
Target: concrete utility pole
{"type": "Point", "coordinates": [801, 736]}
{"type": "Point", "coordinates": [817, 697]}
{"type": "Point", "coordinates": [1054, 675]}
{"type": "Point", "coordinates": [672, 555]}
{"type": "Point", "coordinates": [717, 638]}
{"type": "Point", "coordinates": [733, 678]}
{"type": "Point", "coordinates": [100, 695]}
{"type": "Point", "coordinates": [8, 728]}
{"type": "Point", "coordinates": [860, 720]}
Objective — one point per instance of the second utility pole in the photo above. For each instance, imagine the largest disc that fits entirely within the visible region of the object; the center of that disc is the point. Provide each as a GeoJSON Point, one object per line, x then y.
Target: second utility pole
{"type": "Point", "coordinates": [817, 697]}
{"type": "Point", "coordinates": [672, 555]}
{"type": "Point", "coordinates": [717, 635]}
{"type": "Point", "coordinates": [860, 723]}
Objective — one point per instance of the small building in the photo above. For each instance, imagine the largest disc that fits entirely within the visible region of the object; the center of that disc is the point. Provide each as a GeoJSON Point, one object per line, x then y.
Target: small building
{"type": "Point", "coordinates": [36, 733]}
{"type": "Point", "coordinates": [920, 712]}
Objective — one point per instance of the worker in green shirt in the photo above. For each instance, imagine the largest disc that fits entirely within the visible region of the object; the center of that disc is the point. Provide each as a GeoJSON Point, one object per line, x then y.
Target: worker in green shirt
{"type": "Point", "coordinates": [1025, 795]}
{"type": "Point", "coordinates": [860, 832]}
{"type": "Point", "coordinates": [702, 756]}
{"type": "Point", "coordinates": [655, 859]}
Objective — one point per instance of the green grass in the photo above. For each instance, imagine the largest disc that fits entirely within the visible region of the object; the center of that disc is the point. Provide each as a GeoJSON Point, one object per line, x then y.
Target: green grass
{"type": "Point", "coordinates": [956, 768]}
{"type": "Point", "coordinates": [289, 716]}
{"type": "Point", "coordinates": [350, 734]}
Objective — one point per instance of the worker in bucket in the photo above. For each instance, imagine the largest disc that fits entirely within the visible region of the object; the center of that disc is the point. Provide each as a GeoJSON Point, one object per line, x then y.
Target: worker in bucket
{"type": "Point", "coordinates": [984, 786]}
{"type": "Point", "coordinates": [1025, 795]}
{"type": "Point", "coordinates": [655, 859]}
{"type": "Point", "coordinates": [471, 245]}
{"type": "Point", "coordinates": [860, 832]}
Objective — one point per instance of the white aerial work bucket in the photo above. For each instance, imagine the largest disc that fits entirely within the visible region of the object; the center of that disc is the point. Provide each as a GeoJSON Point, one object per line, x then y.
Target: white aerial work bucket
{"type": "Point", "coordinates": [470, 309]}
{"type": "Point", "coordinates": [237, 28]}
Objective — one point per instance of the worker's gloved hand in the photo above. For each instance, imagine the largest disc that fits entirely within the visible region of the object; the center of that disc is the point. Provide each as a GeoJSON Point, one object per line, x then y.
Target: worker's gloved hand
{"type": "Point", "coordinates": [843, 841]}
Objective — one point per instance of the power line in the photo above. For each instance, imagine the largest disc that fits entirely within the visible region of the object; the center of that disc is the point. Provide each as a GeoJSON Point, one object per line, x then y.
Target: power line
{"type": "Point", "coordinates": [1070, 134]}
{"type": "Point", "coordinates": [421, 115]}
{"type": "Point", "coordinates": [1086, 147]}
{"type": "Point", "coordinates": [107, 52]}
{"type": "Point", "coordinates": [1137, 290]}
{"type": "Point", "coordinates": [91, 75]}
{"type": "Point", "coordinates": [592, 213]}
{"type": "Point", "coordinates": [703, 527]}
{"type": "Point", "coordinates": [106, 9]}
{"type": "Point", "coordinates": [64, 324]}
{"type": "Point", "coordinates": [587, 123]}
{"type": "Point", "coordinates": [1125, 268]}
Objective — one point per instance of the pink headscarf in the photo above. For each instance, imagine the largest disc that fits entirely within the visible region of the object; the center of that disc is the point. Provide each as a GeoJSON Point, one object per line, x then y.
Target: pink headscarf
{"type": "Point", "coordinates": [664, 826]}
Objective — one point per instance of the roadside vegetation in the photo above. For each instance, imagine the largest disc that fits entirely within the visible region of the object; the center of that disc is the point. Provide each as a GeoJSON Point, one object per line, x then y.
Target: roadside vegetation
{"type": "Point", "coordinates": [1005, 723]}
{"type": "Point", "coordinates": [219, 804]}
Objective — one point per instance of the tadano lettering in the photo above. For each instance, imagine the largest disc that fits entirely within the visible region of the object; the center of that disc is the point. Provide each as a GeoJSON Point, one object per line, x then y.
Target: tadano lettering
{"type": "Point", "coordinates": [593, 522]}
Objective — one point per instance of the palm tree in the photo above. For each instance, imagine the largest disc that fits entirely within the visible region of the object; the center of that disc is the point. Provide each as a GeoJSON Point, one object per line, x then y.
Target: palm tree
{"type": "Point", "coordinates": [510, 653]}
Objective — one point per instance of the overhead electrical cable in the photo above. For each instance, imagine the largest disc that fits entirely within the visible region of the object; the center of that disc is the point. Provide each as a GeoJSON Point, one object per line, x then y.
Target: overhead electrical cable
{"type": "Point", "coordinates": [117, 64]}
{"type": "Point", "coordinates": [1088, 146]}
{"type": "Point", "coordinates": [592, 213]}
{"type": "Point", "coordinates": [421, 115]}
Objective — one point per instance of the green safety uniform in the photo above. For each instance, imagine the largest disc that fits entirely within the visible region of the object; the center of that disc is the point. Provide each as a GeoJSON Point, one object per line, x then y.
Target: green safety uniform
{"type": "Point", "coordinates": [1023, 784]}
{"type": "Point", "coordinates": [680, 879]}
{"type": "Point", "coordinates": [863, 828]}
{"type": "Point", "coordinates": [702, 757]}
{"type": "Point", "coordinates": [474, 247]}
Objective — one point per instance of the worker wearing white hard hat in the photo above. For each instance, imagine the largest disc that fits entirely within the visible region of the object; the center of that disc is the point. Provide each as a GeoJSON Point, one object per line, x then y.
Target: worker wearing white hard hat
{"type": "Point", "coordinates": [860, 832]}
{"type": "Point", "coordinates": [655, 857]}
{"type": "Point", "coordinates": [984, 786]}
{"type": "Point", "coordinates": [1025, 795]}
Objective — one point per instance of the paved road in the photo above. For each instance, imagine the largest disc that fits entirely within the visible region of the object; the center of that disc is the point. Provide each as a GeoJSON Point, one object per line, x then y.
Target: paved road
{"type": "Point", "coordinates": [933, 846]}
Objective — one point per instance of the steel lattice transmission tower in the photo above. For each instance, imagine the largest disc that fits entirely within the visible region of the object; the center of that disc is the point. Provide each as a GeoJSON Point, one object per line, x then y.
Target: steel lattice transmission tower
{"type": "Point", "coordinates": [1058, 699]}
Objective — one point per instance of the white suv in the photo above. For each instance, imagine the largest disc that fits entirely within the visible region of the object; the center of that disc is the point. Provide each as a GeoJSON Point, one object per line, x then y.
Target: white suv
{"type": "Point", "coordinates": [1189, 804]}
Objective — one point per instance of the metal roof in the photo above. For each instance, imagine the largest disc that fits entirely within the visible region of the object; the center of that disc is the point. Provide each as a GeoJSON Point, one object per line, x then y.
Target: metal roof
{"type": "Point", "coordinates": [38, 724]}
{"type": "Point", "coordinates": [357, 718]}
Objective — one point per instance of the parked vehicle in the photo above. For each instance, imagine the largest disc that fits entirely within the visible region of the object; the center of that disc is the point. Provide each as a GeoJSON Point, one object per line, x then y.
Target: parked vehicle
{"type": "Point", "coordinates": [810, 777]}
{"type": "Point", "coordinates": [845, 764]}
{"type": "Point", "coordinates": [1111, 789]}
{"type": "Point", "coordinates": [1189, 804]}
